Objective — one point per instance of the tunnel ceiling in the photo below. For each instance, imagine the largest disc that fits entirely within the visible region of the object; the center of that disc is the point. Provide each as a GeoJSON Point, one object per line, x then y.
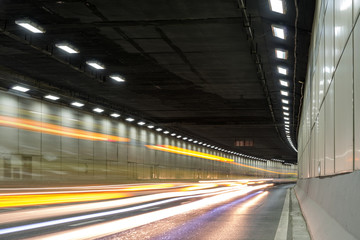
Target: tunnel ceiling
{"type": "Point", "coordinates": [205, 68]}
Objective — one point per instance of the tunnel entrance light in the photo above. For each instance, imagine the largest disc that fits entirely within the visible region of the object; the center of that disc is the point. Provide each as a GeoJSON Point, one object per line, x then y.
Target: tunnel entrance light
{"type": "Point", "coordinates": [284, 83]}
{"type": "Point", "coordinates": [77, 104]}
{"type": "Point", "coordinates": [129, 119]}
{"type": "Point", "coordinates": [277, 6]}
{"type": "Point", "coordinates": [98, 110]}
{"type": "Point", "coordinates": [20, 88]}
{"type": "Point", "coordinates": [282, 70]}
{"type": "Point", "coordinates": [52, 97]}
{"type": "Point", "coordinates": [281, 54]}
{"type": "Point", "coordinates": [67, 48]}
{"type": "Point", "coordinates": [29, 25]}
{"type": "Point", "coordinates": [278, 32]}
{"type": "Point", "coordinates": [95, 65]}
{"type": "Point", "coordinates": [117, 78]}
{"type": "Point", "coordinates": [115, 115]}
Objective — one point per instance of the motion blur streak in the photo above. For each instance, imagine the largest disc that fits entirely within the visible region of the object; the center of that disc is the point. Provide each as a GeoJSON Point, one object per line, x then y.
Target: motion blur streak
{"type": "Point", "coordinates": [53, 129]}
{"type": "Point", "coordinates": [116, 226]}
{"type": "Point", "coordinates": [22, 215]}
{"type": "Point", "coordinates": [41, 199]}
{"type": "Point", "coordinates": [148, 187]}
{"type": "Point", "coordinates": [252, 202]}
{"type": "Point", "coordinates": [199, 186]}
{"type": "Point", "coordinates": [183, 151]}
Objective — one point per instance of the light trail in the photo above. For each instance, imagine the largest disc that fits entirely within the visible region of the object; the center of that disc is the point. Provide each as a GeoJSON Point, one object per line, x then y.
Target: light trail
{"type": "Point", "coordinates": [115, 226]}
{"type": "Point", "coordinates": [107, 213]}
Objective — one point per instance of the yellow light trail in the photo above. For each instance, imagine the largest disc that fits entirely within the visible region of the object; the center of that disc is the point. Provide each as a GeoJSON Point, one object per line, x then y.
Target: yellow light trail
{"type": "Point", "coordinates": [53, 129]}
{"type": "Point", "coordinates": [183, 151]}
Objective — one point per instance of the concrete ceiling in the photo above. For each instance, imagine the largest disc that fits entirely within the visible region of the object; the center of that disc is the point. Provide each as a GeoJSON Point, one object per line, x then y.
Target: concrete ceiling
{"type": "Point", "coordinates": [203, 68]}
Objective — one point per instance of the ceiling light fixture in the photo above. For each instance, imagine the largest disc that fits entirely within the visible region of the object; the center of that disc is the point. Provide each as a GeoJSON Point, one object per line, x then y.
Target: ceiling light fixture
{"type": "Point", "coordinates": [98, 110]}
{"type": "Point", "coordinates": [282, 70]}
{"type": "Point", "coordinates": [129, 119]}
{"type": "Point", "coordinates": [115, 115]}
{"type": "Point", "coordinates": [95, 65]}
{"type": "Point", "coordinates": [158, 129]}
{"type": "Point", "coordinates": [151, 126]}
{"type": "Point", "coordinates": [141, 123]}
{"type": "Point", "coordinates": [117, 78]}
{"type": "Point", "coordinates": [285, 108]}
{"type": "Point", "coordinates": [286, 118]}
{"type": "Point", "coordinates": [278, 32]}
{"type": "Point", "coordinates": [184, 138]}
{"type": "Point", "coordinates": [52, 97]}
{"type": "Point", "coordinates": [77, 104]}
{"type": "Point", "coordinates": [20, 88]}
{"type": "Point", "coordinates": [277, 6]}
{"type": "Point", "coordinates": [281, 54]}
{"type": "Point", "coordinates": [285, 101]}
{"type": "Point", "coordinates": [67, 48]}
{"type": "Point", "coordinates": [173, 134]}
{"type": "Point", "coordinates": [284, 93]}
{"type": "Point", "coordinates": [166, 132]}
{"type": "Point", "coordinates": [179, 136]}
{"type": "Point", "coordinates": [284, 83]}
{"type": "Point", "coordinates": [29, 25]}
{"type": "Point", "coordinates": [286, 113]}
{"type": "Point", "coordinates": [195, 141]}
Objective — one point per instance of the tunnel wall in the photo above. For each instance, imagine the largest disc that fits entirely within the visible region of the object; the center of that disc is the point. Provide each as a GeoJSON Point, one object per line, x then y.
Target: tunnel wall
{"type": "Point", "coordinates": [329, 139]}
{"type": "Point", "coordinates": [47, 142]}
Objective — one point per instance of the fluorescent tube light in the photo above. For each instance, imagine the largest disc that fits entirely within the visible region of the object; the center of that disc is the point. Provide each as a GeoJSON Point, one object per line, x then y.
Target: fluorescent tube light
{"type": "Point", "coordinates": [32, 27]}
{"type": "Point", "coordinates": [286, 118]}
{"type": "Point", "coordinates": [151, 126]}
{"type": "Point", "coordinates": [159, 129]}
{"type": "Point", "coordinates": [95, 65]}
{"type": "Point", "coordinates": [166, 132]}
{"type": "Point", "coordinates": [173, 134]}
{"type": "Point", "coordinates": [77, 104]}
{"type": "Point", "coordinates": [179, 136]}
{"type": "Point", "coordinates": [286, 114]}
{"type": "Point", "coordinates": [129, 119]}
{"type": "Point", "coordinates": [285, 101]}
{"type": "Point", "coordinates": [20, 89]}
{"type": "Point", "coordinates": [115, 115]}
{"type": "Point", "coordinates": [67, 48]}
{"type": "Point", "coordinates": [52, 97]}
{"type": "Point", "coordinates": [141, 123]}
{"type": "Point", "coordinates": [285, 108]}
{"type": "Point", "coordinates": [184, 138]}
{"type": "Point", "coordinates": [117, 78]}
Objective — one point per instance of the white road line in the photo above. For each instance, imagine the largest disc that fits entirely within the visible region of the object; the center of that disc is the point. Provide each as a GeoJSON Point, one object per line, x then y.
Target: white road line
{"type": "Point", "coordinates": [87, 222]}
{"type": "Point", "coordinates": [281, 232]}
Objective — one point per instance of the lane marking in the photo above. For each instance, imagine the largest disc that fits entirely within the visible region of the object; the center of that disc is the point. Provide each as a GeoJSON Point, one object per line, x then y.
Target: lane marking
{"type": "Point", "coordinates": [282, 230]}
{"type": "Point", "coordinates": [87, 222]}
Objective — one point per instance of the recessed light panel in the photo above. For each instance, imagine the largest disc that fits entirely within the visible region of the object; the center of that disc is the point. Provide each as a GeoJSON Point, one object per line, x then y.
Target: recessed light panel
{"type": "Point", "coordinates": [286, 113]}
{"type": "Point", "coordinates": [95, 65]}
{"type": "Point", "coordinates": [281, 54]}
{"type": "Point", "coordinates": [159, 129]}
{"type": "Point", "coordinates": [277, 6]}
{"type": "Point", "coordinates": [117, 78]}
{"type": "Point", "coordinates": [284, 93]}
{"type": "Point", "coordinates": [282, 70]}
{"type": "Point", "coordinates": [150, 126]}
{"type": "Point", "coordinates": [52, 97]}
{"type": "Point", "coordinates": [141, 123]}
{"type": "Point", "coordinates": [278, 32]}
{"type": "Point", "coordinates": [129, 119]}
{"type": "Point", "coordinates": [285, 101]}
{"type": "Point", "coordinates": [32, 27]}
{"type": "Point", "coordinates": [284, 83]}
{"type": "Point", "coordinates": [115, 115]}
{"type": "Point", "coordinates": [67, 48]}
{"type": "Point", "coordinates": [98, 110]}
{"type": "Point", "coordinates": [20, 88]}
{"type": "Point", "coordinates": [77, 104]}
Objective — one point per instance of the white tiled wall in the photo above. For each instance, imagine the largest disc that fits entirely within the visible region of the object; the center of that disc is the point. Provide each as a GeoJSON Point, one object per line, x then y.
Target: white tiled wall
{"type": "Point", "coordinates": [329, 134]}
